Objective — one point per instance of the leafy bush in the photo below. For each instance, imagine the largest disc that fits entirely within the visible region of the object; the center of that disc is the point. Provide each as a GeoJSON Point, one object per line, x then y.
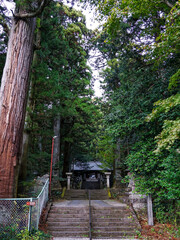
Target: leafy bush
{"type": "Point", "coordinates": [10, 233]}
{"type": "Point", "coordinates": [34, 235]}
{"type": "Point", "coordinates": [157, 174]}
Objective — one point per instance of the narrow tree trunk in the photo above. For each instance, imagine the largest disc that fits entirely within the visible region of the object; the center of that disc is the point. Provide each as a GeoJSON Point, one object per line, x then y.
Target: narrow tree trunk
{"type": "Point", "coordinates": [66, 159]}
{"type": "Point", "coordinates": [118, 163]}
{"type": "Point", "coordinates": [13, 99]}
{"type": "Point", "coordinates": [56, 153]}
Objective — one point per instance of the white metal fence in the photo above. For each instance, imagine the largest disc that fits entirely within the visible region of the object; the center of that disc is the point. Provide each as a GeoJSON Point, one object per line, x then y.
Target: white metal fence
{"type": "Point", "coordinates": [40, 201]}
{"type": "Point", "coordinates": [16, 214]}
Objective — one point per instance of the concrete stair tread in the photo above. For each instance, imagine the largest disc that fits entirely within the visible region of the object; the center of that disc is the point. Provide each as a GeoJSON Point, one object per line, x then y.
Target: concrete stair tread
{"type": "Point", "coordinates": [69, 234]}
{"type": "Point", "coordinates": [69, 220]}
{"type": "Point", "coordinates": [69, 229]}
{"type": "Point", "coordinates": [63, 223]}
{"type": "Point", "coordinates": [68, 215]}
{"type": "Point", "coordinates": [112, 229]}
{"type": "Point", "coordinates": [114, 234]}
{"type": "Point", "coordinates": [70, 212]}
{"type": "Point", "coordinates": [80, 194]}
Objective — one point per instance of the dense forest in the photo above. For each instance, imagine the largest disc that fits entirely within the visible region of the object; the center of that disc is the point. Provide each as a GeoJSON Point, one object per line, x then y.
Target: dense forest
{"type": "Point", "coordinates": [47, 90]}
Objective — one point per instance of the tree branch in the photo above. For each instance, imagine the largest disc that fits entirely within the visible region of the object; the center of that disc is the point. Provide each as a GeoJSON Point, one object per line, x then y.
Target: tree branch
{"type": "Point", "coordinates": [168, 4]}
{"type": "Point", "coordinates": [34, 14]}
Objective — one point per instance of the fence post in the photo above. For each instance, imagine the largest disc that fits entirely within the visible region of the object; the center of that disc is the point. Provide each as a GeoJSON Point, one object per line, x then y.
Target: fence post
{"type": "Point", "coordinates": [30, 213]}
{"type": "Point", "coordinates": [38, 213]}
{"type": "Point", "coordinates": [150, 210]}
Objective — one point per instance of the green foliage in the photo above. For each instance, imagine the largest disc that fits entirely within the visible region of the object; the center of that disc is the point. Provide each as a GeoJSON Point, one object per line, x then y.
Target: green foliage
{"type": "Point", "coordinates": [154, 172]}
{"type": "Point", "coordinates": [61, 87]}
{"type": "Point", "coordinates": [140, 42]}
{"type": "Point", "coordinates": [8, 233]}
{"type": "Point", "coordinates": [174, 80]}
{"type": "Point", "coordinates": [164, 106]}
{"type": "Point", "coordinates": [106, 150]}
{"type": "Point", "coordinates": [158, 175]}
{"type": "Point", "coordinates": [171, 128]}
{"type": "Point", "coordinates": [169, 134]}
{"type": "Point", "coordinates": [11, 233]}
{"type": "Point", "coordinates": [34, 235]}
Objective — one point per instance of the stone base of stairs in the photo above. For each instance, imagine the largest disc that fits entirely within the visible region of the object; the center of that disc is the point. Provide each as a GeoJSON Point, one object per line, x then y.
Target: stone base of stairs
{"type": "Point", "coordinates": [92, 238]}
{"type": "Point", "coordinates": [111, 220]}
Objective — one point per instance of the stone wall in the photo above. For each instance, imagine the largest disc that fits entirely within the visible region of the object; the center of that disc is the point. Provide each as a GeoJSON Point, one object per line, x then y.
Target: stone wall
{"type": "Point", "coordinates": [138, 201]}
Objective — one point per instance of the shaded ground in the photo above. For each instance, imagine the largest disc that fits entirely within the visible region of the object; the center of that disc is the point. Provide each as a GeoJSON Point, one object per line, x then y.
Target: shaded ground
{"type": "Point", "coordinates": [159, 231]}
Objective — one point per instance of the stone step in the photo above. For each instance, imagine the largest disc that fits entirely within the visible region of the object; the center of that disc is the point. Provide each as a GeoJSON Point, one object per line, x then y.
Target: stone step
{"type": "Point", "coordinates": [96, 194]}
{"type": "Point", "coordinates": [111, 234]}
{"type": "Point", "coordinates": [122, 215]}
{"type": "Point", "coordinates": [99, 198]}
{"type": "Point", "coordinates": [76, 193]}
{"type": "Point", "coordinates": [69, 220]}
{"type": "Point", "coordinates": [64, 224]}
{"type": "Point", "coordinates": [123, 206]}
{"type": "Point", "coordinates": [113, 220]}
{"type": "Point", "coordinates": [68, 215]}
{"type": "Point", "coordinates": [73, 194]}
{"type": "Point", "coordinates": [113, 228]}
{"type": "Point", "coordinates": [77, 190]}
{"type": "Point", "coordinates": [99, 195]}
{"type": "Point", "coordinates": [69, 211]}
{"type": "Point", "coordinates": [75, 198]}
{"type": "Point", "coordinates": [69, 228]}
{"type": "Point", "coordinates": [116, 222]}
{"type": "Point", "coordinates": [113, 211]}
{"type": "Point", "coordinates": [69, 234]}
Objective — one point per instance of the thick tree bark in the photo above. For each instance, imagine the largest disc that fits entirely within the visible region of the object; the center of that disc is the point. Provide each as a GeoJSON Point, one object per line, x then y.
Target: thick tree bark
{"type": "Point", "coordinates": [26, 133]}
{"type": "Point", "coordinates": [13, 99]}
{"type": "Point", "coordinates": [23, 158]}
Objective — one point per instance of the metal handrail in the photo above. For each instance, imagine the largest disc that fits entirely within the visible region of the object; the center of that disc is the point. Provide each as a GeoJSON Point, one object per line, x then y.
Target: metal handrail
{"type": "Point", "coordinates": [90, 217]}
{"type": "Point", "coordinates": [46, 183]}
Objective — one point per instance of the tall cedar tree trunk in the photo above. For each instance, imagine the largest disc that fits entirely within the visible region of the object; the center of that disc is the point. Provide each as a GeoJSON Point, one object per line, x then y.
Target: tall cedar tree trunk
{"type": "Point", "coordinates": [30, 105]}
{"type": "Point", "coordinates": [13, 99]}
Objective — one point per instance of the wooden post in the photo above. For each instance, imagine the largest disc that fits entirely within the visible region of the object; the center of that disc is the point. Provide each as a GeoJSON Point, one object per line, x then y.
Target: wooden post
{"type": "Point", "coordinates": [150, 210]}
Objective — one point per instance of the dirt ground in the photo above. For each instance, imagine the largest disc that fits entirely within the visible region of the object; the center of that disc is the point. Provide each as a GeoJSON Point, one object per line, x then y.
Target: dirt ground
{"type": "Point", "coordinates": [158, 231]}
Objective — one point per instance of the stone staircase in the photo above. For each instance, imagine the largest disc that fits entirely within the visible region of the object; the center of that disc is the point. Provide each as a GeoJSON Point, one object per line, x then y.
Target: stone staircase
{"type": "Point", "coordinates": [82, 194]}
{"type": "Point", "coordinates": [110, 219]}
{"type": "Point", "coordinates": [68, 222]}
{"type": "Point", "coordinates": [99, 194]}
{"type": "Point", "coordinates": [113, 223]}
{"type": "Point", "coordinates": [76, 194]}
